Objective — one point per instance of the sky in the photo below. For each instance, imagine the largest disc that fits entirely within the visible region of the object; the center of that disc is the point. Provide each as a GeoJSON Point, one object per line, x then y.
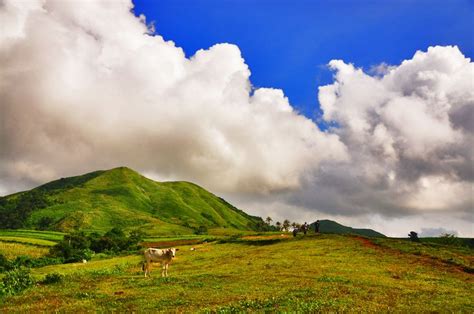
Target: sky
{"type": "Point", "coordinates": [287, 44]}
{"type": "Point", "coordinates": [361, 112]}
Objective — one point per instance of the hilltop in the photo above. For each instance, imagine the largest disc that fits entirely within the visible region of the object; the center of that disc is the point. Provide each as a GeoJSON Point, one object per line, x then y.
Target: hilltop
{"type": "Point", "coordinates": [329, 226]}
{"type": "Point", "coordinates": [121, 197]}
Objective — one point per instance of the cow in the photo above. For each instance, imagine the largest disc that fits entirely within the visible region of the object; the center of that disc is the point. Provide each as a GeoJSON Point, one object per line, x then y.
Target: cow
{"type": "Point", "coordinates": [163, 256]}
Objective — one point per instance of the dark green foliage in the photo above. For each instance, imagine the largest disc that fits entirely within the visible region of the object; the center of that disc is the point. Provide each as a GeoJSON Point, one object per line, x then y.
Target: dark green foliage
{"type": "Point", "coordinates": [30, 262]}
{"type": "Point", "coordinates": [451, 240]}
{"type": "Point", "coordinates": [15, 211]}
{"type": "Point", "coordinates": [201, 230]}
{"type": "Point", "coordinates": [27, 261]}
{"type": "Point", "coordinates": [5, 264]}
{"type": "Point", "coordinates": [52, 278]}
{"type": "Point", "coordinates": [73, 248]}
{"type": "Point", "coordinates": [68, 183]}
{"type": "Point", "coordinates": [115, 241]}
{"type": "Point", "coordinates": [15, 281]}
{"type": "Point", "coordinates": [45, 223]}
{"type": "Point", "coordinates": [413, 236]}
{"type": "Point", "coordinates": [78, 246]}
{"type": "Point", "coordinates": [329, 226]}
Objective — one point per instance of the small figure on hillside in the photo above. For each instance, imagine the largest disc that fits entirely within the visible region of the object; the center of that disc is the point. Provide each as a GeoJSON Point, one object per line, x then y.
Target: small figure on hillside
{"type": "Point", "coordinates": [305, 227]}
{"type": "Point", "coordinates": [295, 231]}
{"type": "Point", "coordinates": [316, 226]}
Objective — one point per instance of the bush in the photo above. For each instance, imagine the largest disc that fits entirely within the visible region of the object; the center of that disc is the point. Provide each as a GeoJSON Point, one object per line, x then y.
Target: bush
{"type": "Point", "coordinates": [52, 278]}
{"type": "Point", "coordinates": [5, 264]}
{"type": "Point", "coordinates": [201, 230]}
{"type": "Point", "coordinates": [413, 236]}
{"type": "Point", "coordinates": [16, 281]}
{"type": "Point", "coordinates": [77, 246]}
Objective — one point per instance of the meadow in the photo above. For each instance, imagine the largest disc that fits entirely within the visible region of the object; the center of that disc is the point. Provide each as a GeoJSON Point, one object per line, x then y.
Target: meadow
{"type": "Point", "coordinates": [264, 273]}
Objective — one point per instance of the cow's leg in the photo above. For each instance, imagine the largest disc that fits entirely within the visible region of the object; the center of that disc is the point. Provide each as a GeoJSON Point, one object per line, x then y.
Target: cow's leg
{"type": "Point", "coordinates": [166, 269]}
{"type": "Point", "coordinates": [147, 269]}
{"type": "Point", "coordinates": [163, 270]}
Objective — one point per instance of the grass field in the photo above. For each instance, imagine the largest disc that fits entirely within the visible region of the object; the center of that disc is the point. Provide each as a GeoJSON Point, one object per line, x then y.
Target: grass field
{"type": "Point", "coordinates": [259, 273]}
{"type": "Point", "coordinates": [13, 249]}
{"type": "Point", "coordinates": [33, 234]}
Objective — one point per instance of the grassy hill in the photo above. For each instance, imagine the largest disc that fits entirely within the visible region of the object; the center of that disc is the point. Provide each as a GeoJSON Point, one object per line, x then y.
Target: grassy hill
{"type": "Point", "coordinates": [274, 273]}
{"type": "Point", "coordinates": [329, 226]}
{"type": "Point", "coordinates": [123, 198]}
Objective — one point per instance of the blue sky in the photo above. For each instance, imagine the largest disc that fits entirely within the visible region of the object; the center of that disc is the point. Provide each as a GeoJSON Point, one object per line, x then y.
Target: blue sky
{"type": "Point", "coordinates": [287, 43]}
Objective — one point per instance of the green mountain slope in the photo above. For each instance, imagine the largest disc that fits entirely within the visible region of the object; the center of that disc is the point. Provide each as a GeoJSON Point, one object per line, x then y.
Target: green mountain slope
{"type": "Point", "coordinates": [120, 197]}
{"type": "Point", "coordinates": [329, 226]}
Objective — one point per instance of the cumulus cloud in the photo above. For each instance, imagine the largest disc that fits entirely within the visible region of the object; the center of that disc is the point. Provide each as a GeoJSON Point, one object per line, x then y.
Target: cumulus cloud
{"type": "Point", "coordinates": [84, 86]}
{"type": "Point", "coordinates": [408, 130]}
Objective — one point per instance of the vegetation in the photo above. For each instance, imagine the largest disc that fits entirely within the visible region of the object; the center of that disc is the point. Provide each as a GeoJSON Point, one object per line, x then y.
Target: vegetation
{"type": "Point", "coordinates": [329, 226]}
{"type": "Point", "coordinates": [121, 197]}
{"type": "Point", "coordinates": [79, 246]}
{"type": "Point", "coordinates": [33, 235]}
{"type": "Point", "coordinates": [15, 281]}
{"type": "Point", "coordinates": [12, 249]}
{"type": "Point", "coordinates": [413, 236]}
{"type": "Point", "coordinates": [328, 273]}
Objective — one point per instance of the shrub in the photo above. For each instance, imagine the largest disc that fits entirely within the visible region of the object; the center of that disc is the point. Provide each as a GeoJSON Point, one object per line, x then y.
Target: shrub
{"type": "Point", "coordinates": [16, 281]}
{"type": "Point", "coordinates": [52, 278]}
{"type": "Point", "coordinates": [413, 236]}
{"type": "Point", "coordinates": [27, 261]}
{"type": "Point", "coordinates": [201, 230]}
{"type": "Point", "coordinates": [5, 264]}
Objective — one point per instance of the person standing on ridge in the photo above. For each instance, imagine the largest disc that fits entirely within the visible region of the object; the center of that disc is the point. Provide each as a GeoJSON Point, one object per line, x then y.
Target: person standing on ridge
{"type": "Point", "coordinates": [316, 226]}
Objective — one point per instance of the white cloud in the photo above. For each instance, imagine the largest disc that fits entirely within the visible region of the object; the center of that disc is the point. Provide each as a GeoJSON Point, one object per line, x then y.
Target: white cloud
{"type": "Point", "coordinates": [411, 152]}
{"type": "Point", "coordinates": [83, 86]}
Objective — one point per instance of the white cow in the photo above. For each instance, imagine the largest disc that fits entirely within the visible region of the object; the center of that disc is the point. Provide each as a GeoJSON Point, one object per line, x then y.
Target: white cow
{"type": "Point", "coordinates": [163, 256]}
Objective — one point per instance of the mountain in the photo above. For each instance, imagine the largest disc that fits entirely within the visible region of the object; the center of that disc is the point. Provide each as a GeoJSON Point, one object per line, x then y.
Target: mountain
{"type": "Point", "coordinates": [121, 197]}
{"type": "Point", "coordinates": [329, 226]}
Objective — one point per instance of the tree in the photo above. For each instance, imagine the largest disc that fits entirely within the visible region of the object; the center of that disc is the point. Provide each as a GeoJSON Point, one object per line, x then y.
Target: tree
{"type": "Point", "coordinates": [269, 220]}
{"type": "Point", "coordinates": [278, 225]}
{"type": "Point", "coordinates": [286, 224]}
{"type": "Point", "coordinates": [45, 222]}
{"type": "Point", "coordinates": [413, 236]}
{"type": "Point", "coordinates": [293, 224]}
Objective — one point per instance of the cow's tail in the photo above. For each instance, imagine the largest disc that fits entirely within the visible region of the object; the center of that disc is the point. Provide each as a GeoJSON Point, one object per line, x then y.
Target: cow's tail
{"type": "Point", "coordinates": [143, 265]}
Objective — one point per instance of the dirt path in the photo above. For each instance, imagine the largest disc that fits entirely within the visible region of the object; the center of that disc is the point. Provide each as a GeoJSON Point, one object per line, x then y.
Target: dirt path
{"type": "Point", "coordinates": [424, 259]}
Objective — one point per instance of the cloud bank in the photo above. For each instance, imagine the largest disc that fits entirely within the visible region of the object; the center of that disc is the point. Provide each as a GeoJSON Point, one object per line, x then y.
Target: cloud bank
{"type": "Point", "coordinates": [86, 86]}
{"type": "Point", "coordinates": [409, 133]}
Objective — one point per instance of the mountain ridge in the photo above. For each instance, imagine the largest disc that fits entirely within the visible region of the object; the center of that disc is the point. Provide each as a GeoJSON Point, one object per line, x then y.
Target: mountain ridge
{"type": "Point", "coordinates": [330, 226]}
{"type": "Point", "coordinates": [122, 197]}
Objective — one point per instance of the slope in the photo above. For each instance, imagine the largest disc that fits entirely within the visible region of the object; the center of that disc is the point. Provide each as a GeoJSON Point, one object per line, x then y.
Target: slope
{"type": "Point", "coordinates": [329, 226]}
{"type": "Point", "coordinates": [123, 198]}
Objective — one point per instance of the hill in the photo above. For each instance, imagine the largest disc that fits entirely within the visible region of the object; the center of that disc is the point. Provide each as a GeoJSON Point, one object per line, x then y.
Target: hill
{"type": "Point", "coordinates": [329, 226]}
{"type": "Point", "coordinates": [120, 197]}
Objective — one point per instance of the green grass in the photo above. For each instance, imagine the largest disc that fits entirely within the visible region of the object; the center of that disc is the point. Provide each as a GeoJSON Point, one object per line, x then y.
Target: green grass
{"type": "Point", "coordinates": [123, 198]}
{"type": "Point", "coordinates": [33, 234]}
{"type": "Point", "coordinates": [328, 273]}
{"type": "Point", "coordinates": [13, 249]}
{"type": "Point", "coordinates": [449, 254]}
{"type": "Point", "coordinates": [37, 242]}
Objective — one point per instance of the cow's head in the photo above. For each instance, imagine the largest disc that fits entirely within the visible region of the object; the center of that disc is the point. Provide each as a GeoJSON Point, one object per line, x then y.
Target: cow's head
{"type": "Point", "coordinates": [172, 252]}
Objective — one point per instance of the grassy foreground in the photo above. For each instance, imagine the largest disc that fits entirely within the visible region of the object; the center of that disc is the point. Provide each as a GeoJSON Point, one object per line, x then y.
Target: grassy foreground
{"type": "Point", "coordinates": [314, 273]}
